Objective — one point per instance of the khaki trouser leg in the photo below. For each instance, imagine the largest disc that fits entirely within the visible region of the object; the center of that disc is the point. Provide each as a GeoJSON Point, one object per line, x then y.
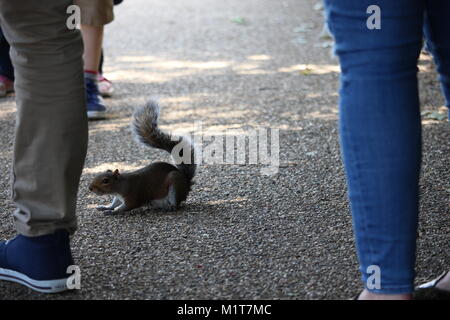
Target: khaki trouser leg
{"type": "Point", "coordinates": [51, 125]}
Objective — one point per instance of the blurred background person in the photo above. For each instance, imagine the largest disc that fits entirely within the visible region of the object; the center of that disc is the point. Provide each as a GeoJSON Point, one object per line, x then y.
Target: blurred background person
{"type": "Point", "coordinates": [95, 14]}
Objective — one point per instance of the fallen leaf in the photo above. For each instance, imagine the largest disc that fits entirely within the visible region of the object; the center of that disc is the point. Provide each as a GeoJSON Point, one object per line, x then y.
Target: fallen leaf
{"type": "Point", "coordinates": [239, 20]}
{"type": "Point", "coordinates": [306, 72]}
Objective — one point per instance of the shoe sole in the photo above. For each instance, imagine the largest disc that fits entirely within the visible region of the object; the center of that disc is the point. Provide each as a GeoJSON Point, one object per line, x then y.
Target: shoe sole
{"type": "Point", "coordinates": [92, 115]}
{"type": "Point", "coordinates": [44, 286]}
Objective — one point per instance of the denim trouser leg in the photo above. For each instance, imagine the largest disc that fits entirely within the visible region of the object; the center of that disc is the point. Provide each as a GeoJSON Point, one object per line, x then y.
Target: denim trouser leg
{"type": "Point", "coordinates": [380, 132]}
{"type": "Point", "coordinates": [437, 30]}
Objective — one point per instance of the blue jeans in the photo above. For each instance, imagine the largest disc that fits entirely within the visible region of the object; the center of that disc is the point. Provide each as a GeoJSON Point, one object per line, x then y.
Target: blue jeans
{"type": "Point", "coordinates": [380, 127]}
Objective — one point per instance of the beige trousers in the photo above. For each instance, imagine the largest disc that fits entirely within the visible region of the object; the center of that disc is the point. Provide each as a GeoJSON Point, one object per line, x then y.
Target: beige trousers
{"type": "Point", "coordinates": [51, 125]}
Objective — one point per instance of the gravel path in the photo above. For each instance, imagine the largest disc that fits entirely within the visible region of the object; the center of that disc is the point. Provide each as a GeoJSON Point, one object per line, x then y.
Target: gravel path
{"type": "Point", "coordinates": [234, 65]}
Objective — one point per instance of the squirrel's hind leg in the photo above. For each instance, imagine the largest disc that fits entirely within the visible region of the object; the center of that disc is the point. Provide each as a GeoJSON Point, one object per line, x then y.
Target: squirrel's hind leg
{"type": "Point", "coordinates": [172, 197]}
{"type": "Point", "coordinates": [177, 193]}
{"type": "Point", "coordinates": [179, 188]}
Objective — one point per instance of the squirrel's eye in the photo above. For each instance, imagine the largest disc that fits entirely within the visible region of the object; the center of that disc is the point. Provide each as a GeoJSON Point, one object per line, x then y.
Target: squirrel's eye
{"type": "Point", "coordinates": [105, 181]}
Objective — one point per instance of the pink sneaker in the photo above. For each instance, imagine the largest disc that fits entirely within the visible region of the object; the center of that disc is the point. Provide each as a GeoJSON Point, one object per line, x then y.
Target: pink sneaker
{"type": "Point", "coordinates": [105, 86]}
{"type": "Point", "coordinates": [6, 86]}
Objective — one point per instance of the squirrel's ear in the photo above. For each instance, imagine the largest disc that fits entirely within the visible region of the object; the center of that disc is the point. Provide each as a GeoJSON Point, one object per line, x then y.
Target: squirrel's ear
{"type": "Point", "coordinates": [116, 172]}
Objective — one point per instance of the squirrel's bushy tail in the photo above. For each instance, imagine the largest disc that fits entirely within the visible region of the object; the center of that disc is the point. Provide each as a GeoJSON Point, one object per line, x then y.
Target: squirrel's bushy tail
{"type": "Point", "coordinates": [146, 130]}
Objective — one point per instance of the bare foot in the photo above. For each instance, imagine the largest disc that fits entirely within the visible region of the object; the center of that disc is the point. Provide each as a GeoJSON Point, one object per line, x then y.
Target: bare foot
{"type": "Point", "coordinates": [366, 295]}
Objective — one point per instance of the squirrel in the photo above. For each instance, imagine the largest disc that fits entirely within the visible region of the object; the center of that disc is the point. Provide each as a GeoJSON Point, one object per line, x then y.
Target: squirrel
{"type": "Point", "coordinates": [159, 184]}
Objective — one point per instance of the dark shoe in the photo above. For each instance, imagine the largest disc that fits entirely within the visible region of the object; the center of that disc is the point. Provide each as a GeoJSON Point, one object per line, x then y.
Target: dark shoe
{"type": "Point", "coordinates": [39, 263]}
{"type": "Point", "coordinates": [428, 291]}
{"type": "Point", "coordinates": [95, 107]}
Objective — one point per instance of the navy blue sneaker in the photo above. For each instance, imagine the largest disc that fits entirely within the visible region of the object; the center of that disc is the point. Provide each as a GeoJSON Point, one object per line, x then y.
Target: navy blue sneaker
{"type": "Point", "coordinates": [39, 263]}
{"type": "Point", "coordinates": [95, 107]}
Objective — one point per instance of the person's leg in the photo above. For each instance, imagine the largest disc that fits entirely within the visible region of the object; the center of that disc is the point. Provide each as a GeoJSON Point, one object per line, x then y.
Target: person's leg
{"type": "Point", "coordinates": [436, 30]}
{"type": "Point", "coordinates": [92, 40]}
{"type": "Point", "coordinates": [102, 60]}
{"type": "Point", "coordinates": [380, 135]}
{"type": "Point", "coordinates": [50, 141]}
{"type": "Point", "coordinates": [94, 15]}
